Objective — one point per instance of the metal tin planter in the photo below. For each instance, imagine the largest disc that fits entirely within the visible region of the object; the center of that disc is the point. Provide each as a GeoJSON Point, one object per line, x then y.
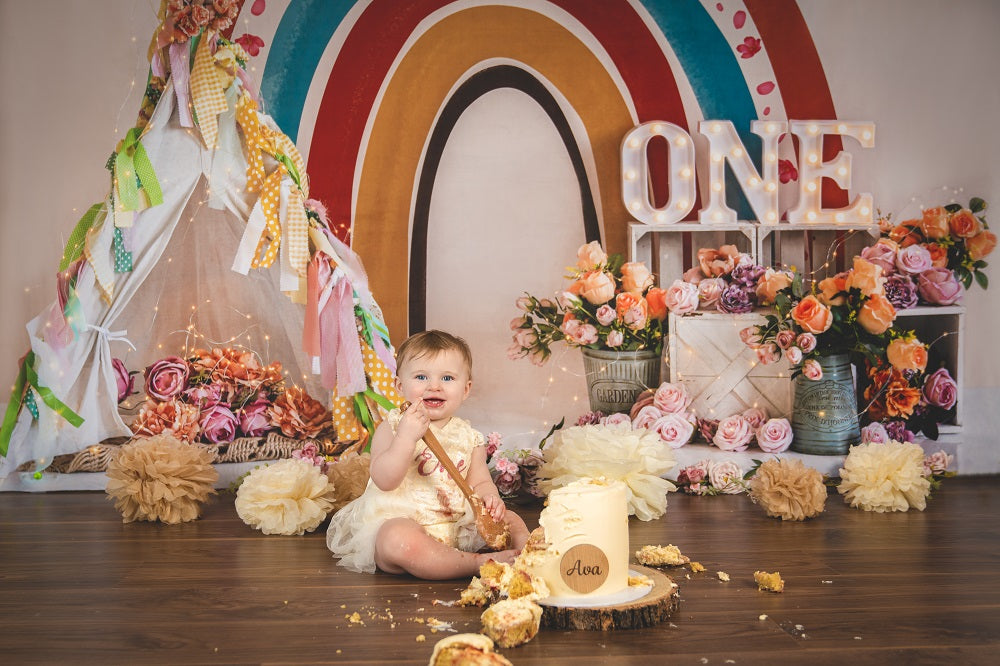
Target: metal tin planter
{"type": "Point", "coordinates": [616, 378]}
{"type": "Point", "coordinates": [825, 412]}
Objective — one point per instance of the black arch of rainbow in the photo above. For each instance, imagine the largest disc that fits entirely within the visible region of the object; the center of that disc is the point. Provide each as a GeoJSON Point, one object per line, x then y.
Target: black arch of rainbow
{"type": "Point", "coordinates": [492, 78]}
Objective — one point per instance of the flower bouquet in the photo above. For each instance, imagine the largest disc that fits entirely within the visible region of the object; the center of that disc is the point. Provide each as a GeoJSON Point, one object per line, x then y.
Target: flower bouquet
{"type": "Point", "coordinates": [724, 279]}
{"type": "Point", "coordinates": [903, 399]}
{"type": "Point", "coordinates": [515, 473]}
{"type": "Point", "coordinates": [611, 305]}
{"type": "Point", "coordinates": [932, 256]}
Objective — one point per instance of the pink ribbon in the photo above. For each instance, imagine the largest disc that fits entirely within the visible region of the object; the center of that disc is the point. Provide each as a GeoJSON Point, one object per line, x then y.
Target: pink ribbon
{"type": "Point", "coordinates": [341, 362]}
{"type": "Point", "coordinates": [156, 65]}
{"type": "Point", "coordinates": [180, 71]}
{"type": "Point", "coordinates": [310, 329]}
{"type": "Point", "coordinates": [247, 84]}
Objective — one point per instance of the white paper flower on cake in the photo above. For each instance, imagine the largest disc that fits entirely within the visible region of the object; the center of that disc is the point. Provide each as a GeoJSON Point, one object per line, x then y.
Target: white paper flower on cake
{"type": "Point", "coordinates": [288, 497]}
{"type": "Point", "coordinates": [638, 458]}
{"type": "Point", "coordinates": [885, 477]}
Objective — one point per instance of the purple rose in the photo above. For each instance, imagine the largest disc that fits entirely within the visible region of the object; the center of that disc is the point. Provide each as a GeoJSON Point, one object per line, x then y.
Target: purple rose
{"type": "Point", "coordinates": [940, 389]}
{"type": "Point", "coordinates": [774, 436]}
{"type": "Point", "coordinates": [881, 254]}
{"type": "Point", "coordinates": [938, 286]}
{"type": "Point", "coordinates": [901, 291]}
{"type": "Point", "coordinates": [253, 420]}
{"type": "Point", "coordinates": [747, 274]}
{"type": "Point", "coordinates": [914, 259]}
{"type": "Point", "coordinates": [874, 433]}
{"type": "Point", "coordinates": [166, 378]}
{"type": "Point", "coordinates": [124, 379]}
{"type": "Point", "coordinates": [735, 299]}
{"type": "Point", "coordinates": [897, 431]}
{"type": "Point", "coordinates": [218, 424]}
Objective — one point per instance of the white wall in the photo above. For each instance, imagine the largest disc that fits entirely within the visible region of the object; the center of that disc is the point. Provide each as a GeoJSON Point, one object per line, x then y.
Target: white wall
{"type": "Point", "coordinates": [923, 70]}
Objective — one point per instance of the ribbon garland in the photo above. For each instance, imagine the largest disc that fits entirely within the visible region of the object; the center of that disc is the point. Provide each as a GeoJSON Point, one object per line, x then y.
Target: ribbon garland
{"type": "Point", "coordinates": [27, 377]}
{"type": "Point", "coordinates": [132, 171]}
{"type": "Point", "coordinates": [211, 75]}
{"type": "Point", "coordinates": [78, 238]}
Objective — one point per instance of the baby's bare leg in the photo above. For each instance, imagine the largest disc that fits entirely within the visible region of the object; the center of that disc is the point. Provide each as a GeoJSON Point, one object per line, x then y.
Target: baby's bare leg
{"type": "Point", "coordinates": [402, 546]}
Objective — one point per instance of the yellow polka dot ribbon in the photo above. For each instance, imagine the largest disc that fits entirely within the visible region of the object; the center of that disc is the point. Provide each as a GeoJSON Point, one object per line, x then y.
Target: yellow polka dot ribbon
{"type": "Point", "coordinates": [257, 140]}
{"type": "Point", "coordinates": [210, 76]}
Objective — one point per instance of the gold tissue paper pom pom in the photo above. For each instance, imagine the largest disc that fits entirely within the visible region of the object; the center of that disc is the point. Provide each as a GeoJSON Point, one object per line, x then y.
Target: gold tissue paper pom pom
{"type": "Point", "coordinates": [885, 477]}
{"type": "Point", "coordinates": [288, 497]}
{"type": "Point", "coordinates": [161, 478]}
{"type": "Point", "coordinates": [789, 490]}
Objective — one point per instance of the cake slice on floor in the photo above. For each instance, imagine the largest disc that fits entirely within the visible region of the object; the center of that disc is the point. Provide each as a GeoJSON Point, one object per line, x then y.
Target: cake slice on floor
{"type": "Point", "coordinates": [466, 650]}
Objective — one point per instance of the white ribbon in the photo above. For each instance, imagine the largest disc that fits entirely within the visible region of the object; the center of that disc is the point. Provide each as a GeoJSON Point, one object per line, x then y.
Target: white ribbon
{"type": "Point", "coordinates": [111, 336]}
{"type": "Point", "coordinates": [251, 236]}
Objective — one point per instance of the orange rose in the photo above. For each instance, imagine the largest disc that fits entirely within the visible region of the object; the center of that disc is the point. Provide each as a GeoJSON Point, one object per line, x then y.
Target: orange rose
{"type": "Point", "coordinates": [980, 245]}
{"type": "Point", "coordinates": [964, 224]}
{"type": "Point", "coordinates": [905, 235]}
{"type": "Point", "coordinates": [901, 398]}
{"type": "Point", "coordinates": [907, 354]}
{"type": "Point", "coordinates": [830, 288]}
{"type": "Point", "coordinates": [934, 223]}
{"type": "Point", "coordinates": [636, 278]}
{"type": "Point", "coordinates": [656, 299]}
{"type": "Point", "coordinates": [598, 287]}
{"type": "Point", "coordinates": [812, 315]}
{"type": "Point", "coordinates": [632, 310]}
{"type": "Point", "coordinates": [877, 314]}
{"type": "Point", "coordinates": [939, 255]}
{"type": "Point", "coordinates": [866, 276]}
{"type": "Point", "coordinates": [590, 256]}
{"type": "Point", "coordinates": [718, 262]}
{"type": "Point", "coordinates": [770, 283]}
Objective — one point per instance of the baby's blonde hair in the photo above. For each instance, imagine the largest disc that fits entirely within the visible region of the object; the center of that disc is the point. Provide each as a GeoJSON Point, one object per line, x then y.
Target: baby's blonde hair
{"type": "Point", "coordinates": [432, 343]}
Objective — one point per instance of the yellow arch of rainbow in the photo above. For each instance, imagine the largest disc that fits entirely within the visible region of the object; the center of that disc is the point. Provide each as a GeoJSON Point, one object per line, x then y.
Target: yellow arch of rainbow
{"type": "Point", "coordinates": [417, 90]}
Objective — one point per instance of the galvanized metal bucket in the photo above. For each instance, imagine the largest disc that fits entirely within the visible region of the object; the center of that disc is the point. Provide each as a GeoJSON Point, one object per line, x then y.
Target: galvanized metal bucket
{"type": "Point", "coordinates": [825, 412]}
{"type": "Point", "coordinates": [616, 378]}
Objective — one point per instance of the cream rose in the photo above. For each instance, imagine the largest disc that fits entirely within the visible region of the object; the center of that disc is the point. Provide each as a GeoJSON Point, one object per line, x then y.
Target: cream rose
{"type": "Point", "coordinates": [636, 278]}
{"type": "Point", "coordinates": [590, 256]}
{"type": "Point", "coordinates": [597, 287]}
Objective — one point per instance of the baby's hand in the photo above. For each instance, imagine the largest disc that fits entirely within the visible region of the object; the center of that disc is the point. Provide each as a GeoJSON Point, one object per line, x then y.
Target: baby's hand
{"type": "Point", "coordinates": [414, 422]}
{"type": "Point", "coordinates": [494, 506]}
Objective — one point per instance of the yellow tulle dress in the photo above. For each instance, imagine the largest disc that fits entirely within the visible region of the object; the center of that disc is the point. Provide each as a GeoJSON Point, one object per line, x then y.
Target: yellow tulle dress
{"type": "Point", "coordinates": [427, 495]}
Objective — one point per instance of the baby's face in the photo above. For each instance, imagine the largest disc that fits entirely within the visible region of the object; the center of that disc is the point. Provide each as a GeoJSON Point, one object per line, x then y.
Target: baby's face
{"type": "Point", "coordinates": [441, 380]}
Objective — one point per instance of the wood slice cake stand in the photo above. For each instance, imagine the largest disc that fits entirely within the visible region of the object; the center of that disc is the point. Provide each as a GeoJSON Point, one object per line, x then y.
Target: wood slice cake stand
{"type": "Point", "coordinates": [653, 608]}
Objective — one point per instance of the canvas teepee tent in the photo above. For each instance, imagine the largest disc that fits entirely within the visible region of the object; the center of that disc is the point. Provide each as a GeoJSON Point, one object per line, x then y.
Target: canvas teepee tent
{"type": "Point", "coordinates": [207, 238]}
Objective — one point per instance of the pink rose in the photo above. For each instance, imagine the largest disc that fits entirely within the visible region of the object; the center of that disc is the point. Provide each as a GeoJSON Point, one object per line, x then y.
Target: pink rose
{"type": "Point", "coordinates": [710, 291]}
{"type": "Point", "coordinates": [681, 297]}
{"type": "Point", "coordinates": [518, 322]}
{"type": "Point", "coordinates": [874, 433]}
{"type": "Point", "coordinates": [523, 303]}
{"type": "Point", "coordinates": [167, 378]}
{"type": "Point", "coordinates": [615, 339]}
{"type": "Point", "coordinates": [579, 333]}
{"type": "Point", "coordinates": [567, 300]}
{"type": "Point", "coordinates": [606, 315]}
{"type": "Point", "coordinates": [673, 429]}
{"type": "Point", "coordinates": [507, 476]}
{"type": "Point", "coordinates": [940, 389]}
{"type": "Point", "coordinates": [494, 441]}
{"type": "Point", "coordinates": [525, 337]}
{"type": "Point", "coordinates": [726, 476]}
{"type": "Point", "coordinates": [646, 416]}
{"type": "Point", "coordinates": [695, 473]}
{"type": "Point", "coordinates": [812, 370]}
{"type": "Point", "coordinates": [733, 434]}
{"type": "Point", "coordinates": [538, 357]}
{"type": "Point", "coordinates": [671, 398]}
{"type": "Point", "coordinates": [914, 259]}
{"type": "Point", "coordinates": [938, 286]}
{"type": "Point", "coordinates": [253, 419]}
{"type": "Point", "coordinates": [774, 436]}
{"type": "Point", "coordinates": [707, 428]}
{"type": "Point", "coordinates": [785, 338]}
{"type": "Point", "coordinates": [768, 353]}
{"type": "Point", "coordinates": [693, 275]}
{"type": "Point", "coordinates": [750, 337]}
{"type": "Point", "coordinates": [806, 342]}
{"type": "Point", "coordinates": [882, 254]}
{"type": "Point", "coordinates": [937, 463]}
{"type": "Point", "coordinates": [616, 420]}
{"type": "Point", "coordinates": [794, 355]}
{"type": "Point", "coordinates": [123, 378]}
{"type": "Point", "coordinates": [756, 417]}
{"type": "Point", "coordinates": [218, 424]}
{"type": "Point", "coordinates": [204, 395]}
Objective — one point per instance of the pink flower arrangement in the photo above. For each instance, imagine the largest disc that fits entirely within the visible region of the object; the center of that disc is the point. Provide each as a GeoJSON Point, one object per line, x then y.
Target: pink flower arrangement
{"type": "Point", "coordinates": [707, 477]}
{"type": "Point", "coordinates": [664, 411]}
{"type": "Point", "coordinates": [724, 279]}
{"type": "Point", "coordinates": [514, 472]}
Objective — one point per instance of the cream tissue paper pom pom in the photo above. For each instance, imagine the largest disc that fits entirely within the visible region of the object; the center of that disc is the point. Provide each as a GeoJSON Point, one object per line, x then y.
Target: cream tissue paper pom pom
{"type": "Point", "coordinates": [289, 497]}
{"type": "Point", "coordinates": [885, 477]}
{"type": "Point", "coordinates": [638, 458]}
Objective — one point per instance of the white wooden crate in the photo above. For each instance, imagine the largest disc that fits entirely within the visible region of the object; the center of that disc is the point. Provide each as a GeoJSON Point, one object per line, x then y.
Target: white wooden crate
{"type": "Point", "coordinates": [722, 374]}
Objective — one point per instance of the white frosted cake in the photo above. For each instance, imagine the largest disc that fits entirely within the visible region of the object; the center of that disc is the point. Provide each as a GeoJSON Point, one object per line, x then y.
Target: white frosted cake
{"type": "Point", "coordinates": [584, 547]}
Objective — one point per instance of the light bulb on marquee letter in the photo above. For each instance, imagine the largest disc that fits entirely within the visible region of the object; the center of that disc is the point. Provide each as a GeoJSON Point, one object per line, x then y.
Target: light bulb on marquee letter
{"type": "Point", "coordinates": [811, 172]}
{"type": "Point", "coordinates": [635, 173]}
{"type": "Point", "coordinates": [724, 145]}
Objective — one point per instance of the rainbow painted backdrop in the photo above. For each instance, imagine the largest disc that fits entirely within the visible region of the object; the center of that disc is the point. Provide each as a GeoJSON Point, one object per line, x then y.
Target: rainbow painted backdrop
{"type": "Point", "coordinates": [371, 90]}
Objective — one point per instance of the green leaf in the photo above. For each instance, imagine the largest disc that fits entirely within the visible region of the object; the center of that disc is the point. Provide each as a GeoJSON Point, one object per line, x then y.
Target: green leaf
{"type": "Point", "coordinates": [953, 208]}
{"type": "Point", "coordinates": [977, 205]}
{"type": "Point", "coordinates": [982, 279]}
{"type": "Point", "coordinates": [557, 426]}
{"type": "Point", "coordinates": [966, 279]}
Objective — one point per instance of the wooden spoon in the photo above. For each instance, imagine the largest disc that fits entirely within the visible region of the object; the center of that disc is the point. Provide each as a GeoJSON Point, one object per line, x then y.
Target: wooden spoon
{"type": "Point", "coordinates": [495, 533]}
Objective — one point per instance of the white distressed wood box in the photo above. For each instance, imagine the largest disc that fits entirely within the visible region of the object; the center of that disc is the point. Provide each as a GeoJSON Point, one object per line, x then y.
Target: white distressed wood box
{"type": "Point", "coordinates": [723, 376]}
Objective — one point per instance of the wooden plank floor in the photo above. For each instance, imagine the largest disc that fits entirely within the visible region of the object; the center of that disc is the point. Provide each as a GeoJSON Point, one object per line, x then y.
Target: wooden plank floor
{"type": "Point", "coordinates": [78, 586]}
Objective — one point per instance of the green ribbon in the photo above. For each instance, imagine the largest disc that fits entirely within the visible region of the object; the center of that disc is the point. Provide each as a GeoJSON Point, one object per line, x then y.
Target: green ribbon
{"type": "Point", "coordinates": [134, 170]}
{"type": "Point", "coordinates": [73, 312]}
{"type": "Point", "coordinates": [290, 166]}
{"type": "Point", "coordinates": [78, 239]}
{"type": "Point", "coordinates": [123, 257]}
{"type": "Point", "coordinates": [27, 376]}
{"type": "Point", "coordinates": [370, 325]}
{"type": "Point", "coordinates": [363, 411]}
